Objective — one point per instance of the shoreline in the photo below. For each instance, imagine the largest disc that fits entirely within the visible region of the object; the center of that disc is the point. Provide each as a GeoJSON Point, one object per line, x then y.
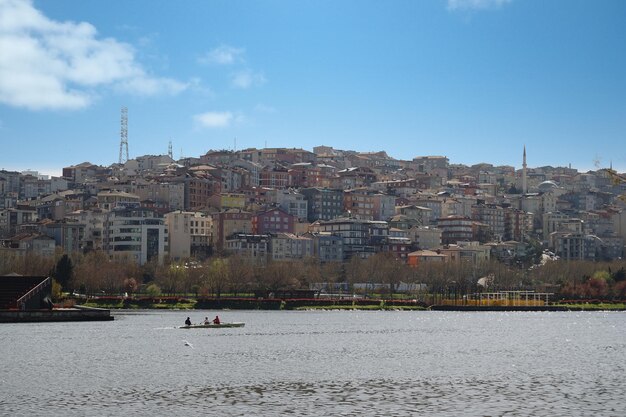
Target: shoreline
{"type": "Point", "coordinates": [309, 304]}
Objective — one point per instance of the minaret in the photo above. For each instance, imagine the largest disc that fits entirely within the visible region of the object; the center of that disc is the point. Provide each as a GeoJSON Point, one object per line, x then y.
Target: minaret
{"type": "Point", "coordinates": [524, 183]}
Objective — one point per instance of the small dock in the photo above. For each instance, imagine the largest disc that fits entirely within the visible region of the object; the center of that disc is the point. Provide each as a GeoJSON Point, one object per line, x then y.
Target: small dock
{"type": "Point", "coordinates": [25, 299]}
{"type": "Point", "coordinates": [77, 313]}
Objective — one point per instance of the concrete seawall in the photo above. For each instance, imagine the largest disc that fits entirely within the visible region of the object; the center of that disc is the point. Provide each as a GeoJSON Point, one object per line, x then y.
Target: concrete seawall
{"type": "Point", "coordinates": [78, 313]}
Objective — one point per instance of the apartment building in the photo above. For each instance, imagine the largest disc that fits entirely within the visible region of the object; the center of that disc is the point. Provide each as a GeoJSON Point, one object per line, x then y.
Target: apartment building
{"type": "Point", "coordinates": [273, 221]}
{"type": "Point", "coordinates": [422, 215]}
{"type": "Point", "coordinates": [93, 221]}
{"type": "Point", "coordinates": [190, 234]}
{"type": "Point", "coordinates": [274, 177]}
{"type": "Point", "coordinates": [327, 247]}
{"type": "Point", "coordinates": [290, 201]}
{"type": "Point", "coordinates": [135, 233]}
{"type": "Point", "coordinates": [323, 203]}
{"type": "Point", "coordinates": [199, 187]}
{"type": "Point", "coordinates": [359, 203]}
{"type": "Point", "coordinates": [229, 222]}
{"type": "Point", "coordinates": [288, 246]}
{"type": "Point", "coordinates": [111, 199]}
{"type": "Point", "coordinates": [435, 165]}
{"type": "Point", "coordinates": [425, 237]}
{"type": "Point", "coordinates": [12, 218]}
{"type": "Point", "coordinates": [466, 251]}
{"type": "Point", "coordinates": [355, 233]}
{"type": "Point", "coordinates": [170, 194]}
{"type": "Point", "coordinates": [252, 247]}
{"type": "Point", "coordinates": [68, 235]}
{"type": "Point", "coordinates": [454, 229]}
{"type": "Point", "coordinates": [493, 216]}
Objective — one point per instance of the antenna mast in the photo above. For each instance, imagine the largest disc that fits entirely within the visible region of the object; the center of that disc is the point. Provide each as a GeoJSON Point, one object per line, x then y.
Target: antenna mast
{"type": "Point", "coordinates": [170, 153]}
{"type": "Point", "coordinates": [124, 136]}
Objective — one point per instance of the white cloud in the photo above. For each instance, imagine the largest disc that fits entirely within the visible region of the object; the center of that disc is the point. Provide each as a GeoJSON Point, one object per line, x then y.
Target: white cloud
{"type": "Point", "coordinates": [228, 55]}
{"type": "Point", "coordinates": [246, 79]}
{"type": "Point", "coordinates": [214, 119]}
{"type": "Point", "coordinates": [223, 55]}
{"type": "Point", "coordinates": [45, 64]}
{"type": "Point", "coordinates": [197, 85]}
{"type": "Point", "coordinates": [475, 4]}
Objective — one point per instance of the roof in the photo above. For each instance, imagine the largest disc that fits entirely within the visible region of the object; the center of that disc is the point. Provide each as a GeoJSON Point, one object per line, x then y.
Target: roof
{"type": "Point", "coordinates": [427, 253]}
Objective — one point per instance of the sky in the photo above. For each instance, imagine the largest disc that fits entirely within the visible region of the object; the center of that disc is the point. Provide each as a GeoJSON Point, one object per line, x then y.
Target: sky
{"type": "Point", "coordinates": [473, 80]}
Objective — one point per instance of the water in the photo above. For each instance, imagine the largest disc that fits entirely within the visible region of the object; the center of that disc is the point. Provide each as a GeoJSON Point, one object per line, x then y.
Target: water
{"type": "Point", "coordinates": [320, 363]}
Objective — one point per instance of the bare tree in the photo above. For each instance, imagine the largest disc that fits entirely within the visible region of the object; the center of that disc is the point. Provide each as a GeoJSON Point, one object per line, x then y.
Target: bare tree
{"type": "Point", "coordinates": [280, 276]}
{"type": "Point", "coordinates": [90, 272]}
{"type": "Point", "coordinates": [171, 278]}
{"type": "Point", "coordinates": [385, 269]}
{"type": "Point", "coordinates": [217, 276]}
{"type": "Point", "coordinates": [356, 271]}
{"type": "Point", "coordinates": [307, 271]}
{"type": "Point", "coordinates": [331, 272]}
{"type": "Point", "coordinates": [240, 272]}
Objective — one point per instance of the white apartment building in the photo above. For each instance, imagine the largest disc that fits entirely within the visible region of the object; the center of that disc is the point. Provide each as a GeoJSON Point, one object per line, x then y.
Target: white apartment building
{"type": "Point", "coordinates": [287, 246]}
{"type": "Point", "coordinates": [135, 233]}
{"type": "Point", "coordinates": [94, 225]}
{"type": "Point", "coordinates": [253, 168]}
{"type": "Point", "coordinates": [188, 229]}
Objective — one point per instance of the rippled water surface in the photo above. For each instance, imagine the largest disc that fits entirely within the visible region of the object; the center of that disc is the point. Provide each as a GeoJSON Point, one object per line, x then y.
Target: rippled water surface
{"type": "Point", "coordinates": [319, 364]}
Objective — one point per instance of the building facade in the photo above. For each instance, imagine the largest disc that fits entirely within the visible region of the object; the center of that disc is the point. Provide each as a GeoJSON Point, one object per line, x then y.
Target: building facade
{"type": "Point", "coordinates": [135, 233]}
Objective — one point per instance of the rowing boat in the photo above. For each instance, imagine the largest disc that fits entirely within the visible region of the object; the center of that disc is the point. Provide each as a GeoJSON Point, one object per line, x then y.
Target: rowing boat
{"type": "Point", "coordinates": [213, 326]}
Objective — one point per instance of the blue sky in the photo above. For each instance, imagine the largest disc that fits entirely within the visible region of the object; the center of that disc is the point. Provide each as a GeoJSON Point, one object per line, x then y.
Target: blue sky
{"type": "Point", "coordinates": [474, 80]}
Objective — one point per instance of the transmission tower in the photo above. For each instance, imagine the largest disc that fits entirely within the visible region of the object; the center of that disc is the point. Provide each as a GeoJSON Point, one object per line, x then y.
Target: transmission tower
{"type": "Point", "coordinates": [124, 136]}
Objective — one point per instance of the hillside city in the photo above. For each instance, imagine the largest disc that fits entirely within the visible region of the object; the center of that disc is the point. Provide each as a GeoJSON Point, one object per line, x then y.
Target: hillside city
{"type": "Point", "coordinates": [272, 205]}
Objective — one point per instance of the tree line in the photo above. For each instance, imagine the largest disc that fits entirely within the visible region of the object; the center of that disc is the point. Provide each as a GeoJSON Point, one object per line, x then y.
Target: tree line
{"type": "Point", "coordinates": [94, 273]}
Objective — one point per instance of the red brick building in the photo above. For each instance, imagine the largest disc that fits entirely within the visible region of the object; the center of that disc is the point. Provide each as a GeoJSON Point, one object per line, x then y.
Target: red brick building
{"type": "Point", "coordinates": [273, 221]}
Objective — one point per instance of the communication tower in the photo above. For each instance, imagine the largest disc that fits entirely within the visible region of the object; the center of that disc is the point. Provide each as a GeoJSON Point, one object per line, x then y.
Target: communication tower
{"type": "Point", "coordinates": [124, 136]}
{"type": "Point", "coordinates": [524, 181]}
{"type": "Point", "coordinates": [170, 153]}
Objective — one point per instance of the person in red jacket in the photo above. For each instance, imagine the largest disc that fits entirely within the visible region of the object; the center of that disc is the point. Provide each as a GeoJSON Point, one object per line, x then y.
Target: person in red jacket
{"type": "Point", "coordinates": [216, 320]}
